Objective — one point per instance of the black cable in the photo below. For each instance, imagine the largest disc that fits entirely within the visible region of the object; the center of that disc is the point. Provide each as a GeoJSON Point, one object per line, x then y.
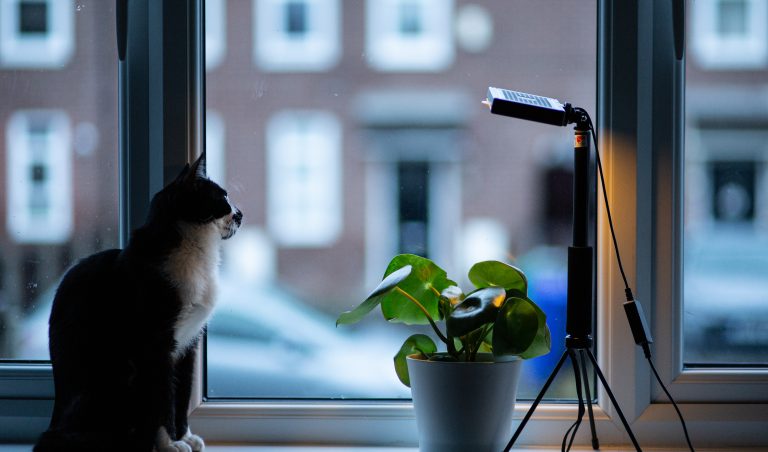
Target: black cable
{"type": "Point", "coordinates": [627, 290]}
{"type": "Point", "coordinates": [644, 341]}
{"type": "Point", "coordinates": [679, 414]}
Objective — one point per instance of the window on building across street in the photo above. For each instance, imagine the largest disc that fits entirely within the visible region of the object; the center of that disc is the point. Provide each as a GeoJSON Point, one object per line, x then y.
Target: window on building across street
{"type": "Point", "coordinates": [215, 33]}
{"type": "Point", "coordinates": [296, 35]}
{"type": "Point", "coordinates": [304, 204]}
{"type": "Point", "coordinates": [730, 34]}
{"type": "Point", "coordinates": [410, 35]}
{"type": "Point", "coordinates": [39, 177]}
{"type": "Point", "coordinates": [36, 33]}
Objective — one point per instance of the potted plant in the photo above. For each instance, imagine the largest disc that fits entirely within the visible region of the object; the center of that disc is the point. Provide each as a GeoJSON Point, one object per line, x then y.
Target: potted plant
{"type": "Point", "coordinates": [464, 396]}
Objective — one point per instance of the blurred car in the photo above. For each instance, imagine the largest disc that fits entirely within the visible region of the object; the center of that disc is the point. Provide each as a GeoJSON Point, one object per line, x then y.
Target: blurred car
{"type": "Point", "coordinates": [264, 343]}
{"type": "Point", "coordinates": [725, 296]}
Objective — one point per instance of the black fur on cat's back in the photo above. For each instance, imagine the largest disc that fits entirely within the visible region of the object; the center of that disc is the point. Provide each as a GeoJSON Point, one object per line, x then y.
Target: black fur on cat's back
{"type": "Point", "coordinates": [125, 325]}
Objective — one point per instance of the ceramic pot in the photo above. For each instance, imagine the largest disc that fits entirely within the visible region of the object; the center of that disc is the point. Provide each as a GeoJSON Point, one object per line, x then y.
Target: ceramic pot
{"type": "Point", "coordinates": [464, 406]}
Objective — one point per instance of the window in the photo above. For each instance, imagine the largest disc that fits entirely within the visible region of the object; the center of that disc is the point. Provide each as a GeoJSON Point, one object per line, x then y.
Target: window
{"type": "Point", "coordinates": [304, 178]}
{"type": "Point", "coordinates": [409, 35]}
{"type": "Point", "coordinates": [339, 170]}
{"type": "Point", "coordinates": [215, 33]}
{"type": "Point", "coordinates": [725, 197]}
{"type": "Point", "coordinates": [730, 34]}
{"type": "Point", "coordinates": [36, 33]}
{"type": "Point", "coordinates": [659, 159]}
{"type": "Point", "coordinates": [39, 177]}
{"type": "Point", "coordinates": [59, 173]}
{"type": "Point", "coordinates": [296, 35]}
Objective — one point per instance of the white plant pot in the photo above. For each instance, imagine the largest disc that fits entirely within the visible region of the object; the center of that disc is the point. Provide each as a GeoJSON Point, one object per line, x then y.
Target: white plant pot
{"type": "Point", "coordinates": [462, 407]}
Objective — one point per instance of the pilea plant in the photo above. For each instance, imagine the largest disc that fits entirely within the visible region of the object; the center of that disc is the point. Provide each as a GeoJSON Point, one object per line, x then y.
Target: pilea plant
{"type": "Point", "coordinates": [496, 317]}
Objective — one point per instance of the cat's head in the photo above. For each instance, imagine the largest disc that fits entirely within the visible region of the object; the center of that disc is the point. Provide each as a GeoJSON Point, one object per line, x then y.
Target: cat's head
{"type": "Point", "coordinates": [194, 199]}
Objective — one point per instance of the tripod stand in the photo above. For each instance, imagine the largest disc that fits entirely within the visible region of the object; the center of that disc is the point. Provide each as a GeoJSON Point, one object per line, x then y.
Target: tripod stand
{"type": "Point", "coordinates": [578, 340]}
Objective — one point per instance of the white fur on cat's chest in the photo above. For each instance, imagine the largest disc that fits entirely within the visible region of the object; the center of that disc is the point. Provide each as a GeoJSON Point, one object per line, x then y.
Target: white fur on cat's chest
{"type": "Point", "coordinates": [193, 270]}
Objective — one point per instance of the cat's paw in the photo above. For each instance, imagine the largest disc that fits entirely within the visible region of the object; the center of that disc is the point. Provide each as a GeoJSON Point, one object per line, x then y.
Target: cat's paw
{"type": "Point", "coordinates": [165, 444]}
{"type": "Point", "coordinates": [175, 446]}
{"type": "Point", "coordinates": [195, 442]}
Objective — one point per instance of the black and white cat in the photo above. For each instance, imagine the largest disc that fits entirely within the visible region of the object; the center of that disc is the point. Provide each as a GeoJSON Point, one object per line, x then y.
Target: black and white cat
{"type": "Point", "coordinates": [125, 326]}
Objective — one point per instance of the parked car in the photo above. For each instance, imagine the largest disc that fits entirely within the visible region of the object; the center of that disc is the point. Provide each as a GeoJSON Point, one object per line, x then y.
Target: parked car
{"type": "Point", "coordinates": [262, 342]}
{"type": "Point", "coordinates": [725, 297]}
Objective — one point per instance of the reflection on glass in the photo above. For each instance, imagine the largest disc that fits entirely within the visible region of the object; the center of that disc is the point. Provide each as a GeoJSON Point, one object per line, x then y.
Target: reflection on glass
{"type": "Point", "coordinates": [365, 137]}
{"type": "Point", "coordinates": [726, 214]}
{"type": "Point", "coordinates": [58, 156]}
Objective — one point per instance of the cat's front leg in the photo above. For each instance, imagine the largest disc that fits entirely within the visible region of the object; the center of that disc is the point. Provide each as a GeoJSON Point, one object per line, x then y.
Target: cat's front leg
{"type": "Point", "coordinates": [183, 371]}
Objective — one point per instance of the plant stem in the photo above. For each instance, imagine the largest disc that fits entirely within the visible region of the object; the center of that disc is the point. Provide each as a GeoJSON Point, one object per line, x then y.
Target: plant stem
{"type": "Point", "coordinates": [426, 313]}
{"type": "Point", "coordinates": [479, 343]}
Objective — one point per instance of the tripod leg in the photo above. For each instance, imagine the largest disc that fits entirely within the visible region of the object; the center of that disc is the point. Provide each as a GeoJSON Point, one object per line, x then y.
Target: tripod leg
{"type": "Point", "coordinates": [575, 427]}
{"type": "Point", "coordinates": [595, 442]}
{"type": "Point", "coordinates": [613, 401]}
{"type": "Point", "coordinates": [536, 402]}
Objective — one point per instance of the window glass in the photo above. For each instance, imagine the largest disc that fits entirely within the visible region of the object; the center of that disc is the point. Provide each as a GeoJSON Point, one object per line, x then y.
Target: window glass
{"type": "Point", "coordinates": [388, 150]}
{"type": "Point", "coordinates": [726, 191]}
{"type": "Point", "coordinates": [58, 156]}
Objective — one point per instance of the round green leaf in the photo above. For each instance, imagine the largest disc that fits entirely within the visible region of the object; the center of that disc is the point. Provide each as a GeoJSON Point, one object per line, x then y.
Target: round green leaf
{"type": "Point", "coordinates": [516, 327]}
{"type": "Point", "coordinates": [424, 285]}
{"type": "Point", "coordinates": [542, 343]}
{"type": "Point", "coordinates": [418, 343]}
{"type": "Point", "coordinates": [373, 300]}
{"type": "Point", "coordinates": [498, 274]}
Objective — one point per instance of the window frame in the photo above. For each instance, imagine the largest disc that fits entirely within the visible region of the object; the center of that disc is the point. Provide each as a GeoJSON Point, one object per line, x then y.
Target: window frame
{"type": "Point", "coordinates": [644, 188]}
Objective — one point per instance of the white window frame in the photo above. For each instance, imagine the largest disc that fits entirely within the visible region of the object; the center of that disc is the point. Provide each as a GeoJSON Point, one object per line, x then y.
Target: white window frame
{"type": "Point", "coordinates": [51, 50]}
{"type": "Point", "coordinates": [23, 225]}
{"type": "Point", "coordinates": [309, 142]}
{"type": "Point", "coordinates": [389, 50]}
{"type": "Point", "coordinates": [714, 51]}
{"type": "Point", "coordinates": [318, 50]}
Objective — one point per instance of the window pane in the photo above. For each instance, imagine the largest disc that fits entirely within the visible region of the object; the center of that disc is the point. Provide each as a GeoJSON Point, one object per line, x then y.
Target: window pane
{"type": "Point", "coordinates": [384, 149]}
{"type": "Point", "coordinates": [726, 190]}
{"type": "Point", "coordinates": [58, 156]}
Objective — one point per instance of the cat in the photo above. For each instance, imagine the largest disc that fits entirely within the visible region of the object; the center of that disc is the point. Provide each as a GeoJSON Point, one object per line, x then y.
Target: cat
{"type": "Point", "coordinates": [125, 325]}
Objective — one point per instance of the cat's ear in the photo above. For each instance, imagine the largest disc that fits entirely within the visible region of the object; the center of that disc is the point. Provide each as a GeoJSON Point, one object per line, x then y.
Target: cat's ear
{"type": "Point", "coordinates": [183, 174]}
{"type": "Point", "coordinates": [198, 168]}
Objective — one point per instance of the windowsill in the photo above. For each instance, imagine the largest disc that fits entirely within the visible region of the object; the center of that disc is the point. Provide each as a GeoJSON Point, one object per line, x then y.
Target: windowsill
{"type": "Point", "coordinates": [234, 448]}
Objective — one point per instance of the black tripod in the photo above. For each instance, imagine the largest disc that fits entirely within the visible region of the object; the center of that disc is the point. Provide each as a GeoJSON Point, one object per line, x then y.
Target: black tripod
{"type": "Point", "coordinates": [578, 328]}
